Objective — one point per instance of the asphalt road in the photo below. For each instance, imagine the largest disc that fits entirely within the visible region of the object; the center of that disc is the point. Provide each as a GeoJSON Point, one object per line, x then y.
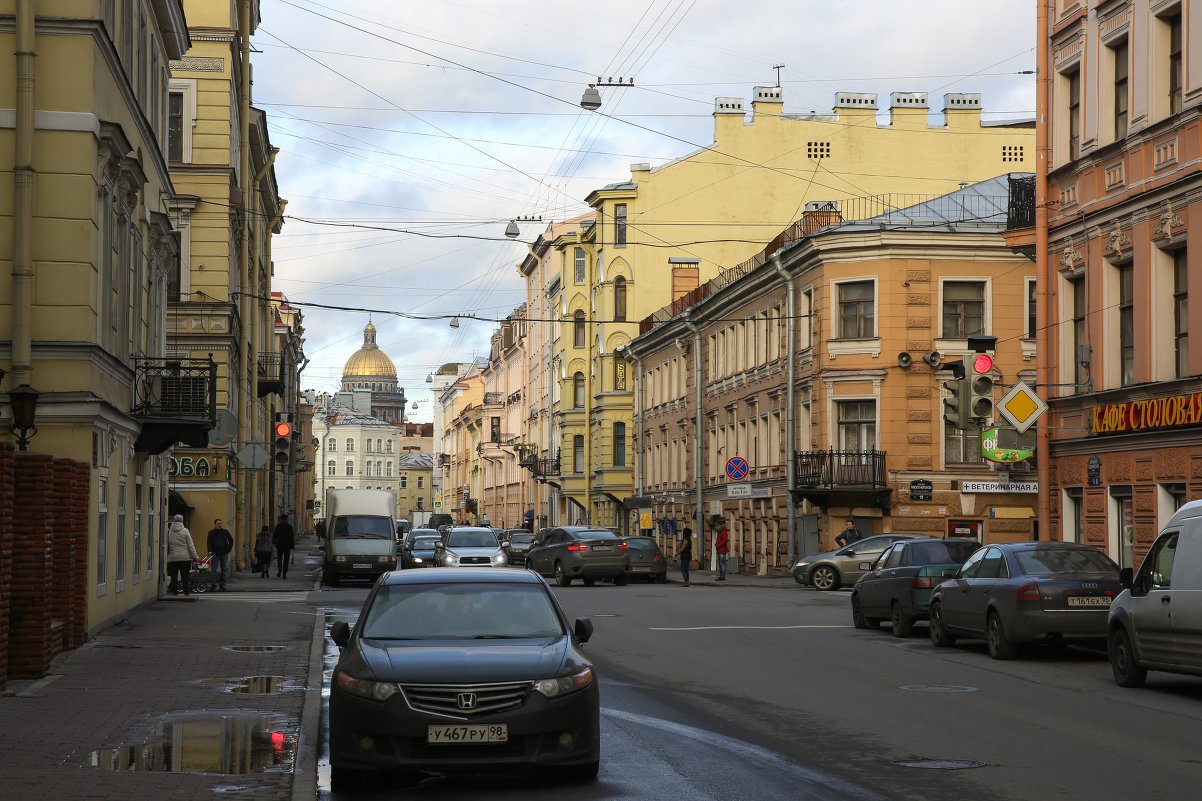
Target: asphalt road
{"type": "Point", "coordinates": [748, 693]}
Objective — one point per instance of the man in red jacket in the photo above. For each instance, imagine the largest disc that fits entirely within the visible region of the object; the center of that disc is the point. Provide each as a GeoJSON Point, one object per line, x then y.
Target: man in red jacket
{"type": "Point", "coordinates": [722, 546]}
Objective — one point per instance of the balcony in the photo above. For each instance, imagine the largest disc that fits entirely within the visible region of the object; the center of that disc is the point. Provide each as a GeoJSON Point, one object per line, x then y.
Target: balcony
{"type": "Point", "coordinates": [270, 374]}
{"type": "Point", "coordinates": [493, 398]}
{"type": "Point", "coordinates": [841, 478]}
{"type": "Point", "coordinates": [541, 468]}
{"type": "Point", "coordinates": [175, 401]}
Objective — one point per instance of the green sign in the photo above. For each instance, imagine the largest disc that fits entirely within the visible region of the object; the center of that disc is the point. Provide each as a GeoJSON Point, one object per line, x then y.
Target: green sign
{"type": "Point", "coordinates": [994, 446]}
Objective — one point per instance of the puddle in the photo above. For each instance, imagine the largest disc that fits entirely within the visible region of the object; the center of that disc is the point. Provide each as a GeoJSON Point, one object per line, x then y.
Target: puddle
{"type": "Point", "coordinates": [255, 648]}
{"type": "Point", "coordinates": [231, 744]}
{"type": "Point", "coordinates": [253, 685]}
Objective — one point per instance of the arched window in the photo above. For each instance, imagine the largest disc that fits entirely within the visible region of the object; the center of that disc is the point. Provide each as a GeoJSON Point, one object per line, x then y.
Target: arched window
{"type": "Point", "coordinates": [368, 447]}
{"type": "Point", "coordinates": [332, 468]}
{"type": "Point", "coordinates": [579, 329]}
{"type": "Point", "coordinates": [578, 391]}
{"type": "Point", "coordinates": [619, 299]}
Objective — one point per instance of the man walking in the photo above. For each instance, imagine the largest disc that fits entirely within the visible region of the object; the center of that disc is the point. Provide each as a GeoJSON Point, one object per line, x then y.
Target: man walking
{"type": "Point", "coordinates": [284, 539]}
{"type": "Point", "coordinates": [220, 544]}
{"type": "Point", "coordinates": [849, 534]}
{"type": "Point", "coordinates": [722, 546]}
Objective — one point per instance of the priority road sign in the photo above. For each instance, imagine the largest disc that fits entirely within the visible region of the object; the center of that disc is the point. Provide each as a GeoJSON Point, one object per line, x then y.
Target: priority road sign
{"type": "Point", "coordinates": [1021, 407]}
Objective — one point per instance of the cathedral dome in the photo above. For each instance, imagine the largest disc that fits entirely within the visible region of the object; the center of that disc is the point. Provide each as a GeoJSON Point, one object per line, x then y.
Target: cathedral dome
{"type": "Point", "coordinates": [369, 361]}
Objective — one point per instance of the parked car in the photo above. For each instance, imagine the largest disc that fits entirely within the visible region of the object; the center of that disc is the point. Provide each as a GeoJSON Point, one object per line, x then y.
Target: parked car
{"type": "Point", "coordinates": [830, 570]}
{"type": "Point", "coordinates": [458, 669]}
{"type": "Point", "coordinates": [584, 552]}
{"type": "Point", "coordinates": [647, 560]}
{"type": "Point", "coordinates": [897, 586]}
{"type": "Point", "coordinates": [418, 548]}
{"type": "Point", "coordinates": [516, 543]}
{"type": "Point", "coordinates": [1155, 623]}
{"type": "Point", "coordinates": [468, 546]}
{"type": "Point", "coordinates": [1025, 592]}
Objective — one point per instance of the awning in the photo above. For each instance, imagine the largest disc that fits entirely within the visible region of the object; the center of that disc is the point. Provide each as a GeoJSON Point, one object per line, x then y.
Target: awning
{"type": "Point", "coordinates": [176, 504]}
{"type": "Point", "coordinates": [528, 514]}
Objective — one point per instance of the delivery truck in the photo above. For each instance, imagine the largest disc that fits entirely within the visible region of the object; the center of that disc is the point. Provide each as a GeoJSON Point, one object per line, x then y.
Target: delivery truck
{"type": "Point", "coordinates": [360, 535]}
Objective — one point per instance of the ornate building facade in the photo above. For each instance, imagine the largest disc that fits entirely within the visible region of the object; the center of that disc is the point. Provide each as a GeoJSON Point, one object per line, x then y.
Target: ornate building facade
{"type": "Point", "coordinates": [370, 368]}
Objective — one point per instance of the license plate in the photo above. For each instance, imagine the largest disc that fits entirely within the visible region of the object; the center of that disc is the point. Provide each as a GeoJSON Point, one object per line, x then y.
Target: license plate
{"type": "Point", "coordinates": [361, 567]}
{"type": "Point", "coordinates": [489, 733]}
{"type": "Point", "coordinates": [1089, 600]}
{"type": "Point", "coordinates": [603, 548]}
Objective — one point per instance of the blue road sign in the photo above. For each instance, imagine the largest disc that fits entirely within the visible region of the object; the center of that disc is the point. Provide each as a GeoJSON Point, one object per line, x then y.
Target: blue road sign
{"type": "Point", "coordinates": [736, 468]}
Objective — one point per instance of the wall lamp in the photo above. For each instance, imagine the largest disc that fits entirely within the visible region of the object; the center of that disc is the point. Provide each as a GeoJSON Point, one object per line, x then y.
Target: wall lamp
{"type": "Point", "coordinates": [24, 402]}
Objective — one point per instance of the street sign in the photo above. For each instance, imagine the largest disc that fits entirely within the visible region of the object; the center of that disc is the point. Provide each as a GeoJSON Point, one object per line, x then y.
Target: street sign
{"type": "Point", "coordinates": [1021, 407]}
{"type": "Point", "coordinates": [438, 500]}
{"type": "Point", "coordinates": [921, 489]}
{"type": "Point", "coordinates": [736, 468]}
{"type": "Point", "coordinates": [253, 456]}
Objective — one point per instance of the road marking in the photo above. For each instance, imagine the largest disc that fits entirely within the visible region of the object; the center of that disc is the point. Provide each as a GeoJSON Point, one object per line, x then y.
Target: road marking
{"type": "Point", "coordinates": [262, 597]}
{"type": "Point", "coordinates": [716, 628]}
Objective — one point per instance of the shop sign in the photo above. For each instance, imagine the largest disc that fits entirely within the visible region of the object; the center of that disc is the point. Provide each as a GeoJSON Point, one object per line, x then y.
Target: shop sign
{"type": "Point", "coordinates": [992, 447]}
{"type": "Point", "coordinates": [197, 467]}
{"type": "Point", "coordinates": [997, 486]}
{"type": "Point", "coordinates": [1143, 415]}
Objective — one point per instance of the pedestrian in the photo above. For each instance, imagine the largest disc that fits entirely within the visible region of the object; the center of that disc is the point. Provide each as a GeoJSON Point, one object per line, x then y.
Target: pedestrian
{"type": "Point", "coordinates": [181, 550]}
{"type": "Point", "coordinates": [263, 551]}
{"type": "Point", "coordinates": [284, 538]}
{"type": "Point", "coordinates": [686, 555]}
{"type": "Point", "coordinates": [220, 542]}
{"type": "Point", "coordinates": [321, 530]}
{"type": "Point", "coordinates": [722, 546]}
{"type": "Point", "coordinates": [849, 534]}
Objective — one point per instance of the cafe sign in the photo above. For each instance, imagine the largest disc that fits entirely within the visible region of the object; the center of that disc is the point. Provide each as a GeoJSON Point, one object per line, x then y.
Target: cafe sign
{"type": "Point", "coordinates": [1143, 415]}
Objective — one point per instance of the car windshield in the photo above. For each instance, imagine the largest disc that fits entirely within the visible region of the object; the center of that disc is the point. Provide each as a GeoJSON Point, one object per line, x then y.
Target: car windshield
{"type": "Point", "coordinates": [424, 543]}
{"type": "Point", "coordinates": [1054, 561]}
{"type": "Point", "coordinates": [641, 545]}
{"type": "Point", "coordinates": [471, 539]}
{"type": "Point", "coordinates": [460, 611]}
{"type": "Point", "coordinates": [941, 553]}
{"type": "Point", "coordinates": [521, 539]}
{"type": "Point", "coordinates": [595, 534]}
{"type": "Point", "coordinates": [362, 526]}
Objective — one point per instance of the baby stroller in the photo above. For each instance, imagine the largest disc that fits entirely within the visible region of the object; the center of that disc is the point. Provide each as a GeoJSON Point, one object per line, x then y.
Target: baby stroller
{"type": "Point", "coordinates": [198, 574]}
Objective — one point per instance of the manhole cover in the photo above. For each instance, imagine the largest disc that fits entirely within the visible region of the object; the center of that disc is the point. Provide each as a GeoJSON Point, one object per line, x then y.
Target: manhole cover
{"type": "Point", "coordinates": [939, 764]}
{"type": "Point", "coordinates": [938, 688]}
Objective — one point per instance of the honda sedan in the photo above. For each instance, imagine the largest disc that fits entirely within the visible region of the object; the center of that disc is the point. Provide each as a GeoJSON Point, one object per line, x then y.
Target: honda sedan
{"type": "Point", "coordinates": [462, 669]}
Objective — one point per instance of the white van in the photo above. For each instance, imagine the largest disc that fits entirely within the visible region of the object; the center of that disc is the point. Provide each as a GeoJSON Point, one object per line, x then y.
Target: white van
{"type": "Point", "coordinates": [360, 535]}
{"type": "Point", "coordinates": [1156, 623]}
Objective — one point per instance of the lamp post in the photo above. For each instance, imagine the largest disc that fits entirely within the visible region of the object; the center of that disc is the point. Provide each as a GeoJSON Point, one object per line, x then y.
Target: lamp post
{"type": "Point", "coordinates": [24, 402]}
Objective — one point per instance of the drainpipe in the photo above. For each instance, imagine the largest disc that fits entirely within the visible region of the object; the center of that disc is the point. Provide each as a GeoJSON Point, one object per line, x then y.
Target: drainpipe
{"type": "Point", "coordinates": [23, 175]}
{"type": "Point", "coordinates": [1043, 337]}
{"type": "Point", "coordinates": [245, 304]}
{"type": "Point", "coordinates": [698, 439]}
{"type": "Point", "coordinates": [790, 404]}
{"type": "Point", "coordinates": [627, 351]}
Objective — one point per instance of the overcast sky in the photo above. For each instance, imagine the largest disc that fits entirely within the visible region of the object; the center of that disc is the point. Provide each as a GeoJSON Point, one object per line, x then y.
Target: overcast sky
{"type": "Point", "coordinates": [410, 133]}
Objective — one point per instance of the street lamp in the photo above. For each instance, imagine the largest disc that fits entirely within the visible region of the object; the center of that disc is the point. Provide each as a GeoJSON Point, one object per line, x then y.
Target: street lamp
{"type": "Point", "coordinates": [591, 100]}
{"type": "Point", "coordinates": [512, 231]}
{"type": "Point", "coordinates": [24, 402]}
{"type": "Point", "coordinates": [454, 322]}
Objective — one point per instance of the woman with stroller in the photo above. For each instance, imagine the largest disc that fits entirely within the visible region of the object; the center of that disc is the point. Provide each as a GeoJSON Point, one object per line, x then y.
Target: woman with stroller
{"type": "Point", "coordinates": [263, 551]}
{"type": "Point", "coordinates": [181, 550]}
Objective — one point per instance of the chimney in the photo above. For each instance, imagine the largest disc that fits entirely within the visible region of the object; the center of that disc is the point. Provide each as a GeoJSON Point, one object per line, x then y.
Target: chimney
{"type": "Point", "coordinates": [728, 112]}
{"type": "Point", "coordinates": [767, 102]}
{"type": "Point", "coordinates": [855, 105]}
{"type": "Point", "coordinates": [819, 214]}
{"type": "Point", "coordinates": [962, 110]}
{"type": "Point", "coordinates": [908, 110]}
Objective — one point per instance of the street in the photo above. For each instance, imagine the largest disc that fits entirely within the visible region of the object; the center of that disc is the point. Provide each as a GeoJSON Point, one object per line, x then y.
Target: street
{"type": "Point", "coordinates": [740, 692]}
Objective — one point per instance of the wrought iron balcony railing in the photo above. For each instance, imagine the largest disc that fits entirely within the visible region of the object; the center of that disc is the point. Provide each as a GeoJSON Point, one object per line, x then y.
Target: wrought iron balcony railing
{"type": "Point", "coordinates": [840, 469]}
{"type": "Point", "coordinates": [175, 400]}
{"type": "Point", "coordinates": [270, 374]}
{"type": "Point", "coordinates": [1020, 211]}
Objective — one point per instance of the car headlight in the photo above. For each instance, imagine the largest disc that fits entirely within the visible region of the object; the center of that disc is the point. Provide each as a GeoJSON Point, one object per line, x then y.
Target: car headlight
{"type": "Point", "coordinates": [801, 565]}
{"type": "Point", "coordinates": [450, 558]}
{"type": "Point", "coordinates": [417, 560]}
{"type": "Point", "coordinates": [365, 688]}
{"type": "Point", "coordinates": [499, 558]}
{"type": "Point", "coordinates": [553, 688]}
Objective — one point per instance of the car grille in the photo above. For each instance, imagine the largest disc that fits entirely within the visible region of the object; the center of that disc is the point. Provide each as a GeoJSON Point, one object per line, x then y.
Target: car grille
{"type": "Point", "coordinates": [444, 699]}
{"type": "Point", "coordinates": [475, 560]}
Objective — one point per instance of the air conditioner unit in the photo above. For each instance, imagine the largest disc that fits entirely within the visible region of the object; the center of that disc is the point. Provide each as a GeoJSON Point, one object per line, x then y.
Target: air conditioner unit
{"type": "Point", "coordinates": [174, 395]}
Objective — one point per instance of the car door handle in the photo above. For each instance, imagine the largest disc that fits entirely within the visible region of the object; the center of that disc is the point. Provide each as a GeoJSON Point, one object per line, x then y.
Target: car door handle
{"type": "Point", "coordinates": [1165, 599]}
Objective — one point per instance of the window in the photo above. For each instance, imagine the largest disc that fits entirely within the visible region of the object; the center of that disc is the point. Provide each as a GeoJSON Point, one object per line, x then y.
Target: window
{"type": "Point", "coordinates": [388, 446]}
{"type": "Point", "coordinates": [120, 537]}
{"type": "Point", "coordinates": [620, 225]}
{"type": "Point", "coordinates": [1074, 114]}
{"type": "Point", "coordinates": [961, 445]}
{"type": "Point", "coordinates": [419, 502]}
{"type": "Point", "coordinates": [404, 481]}
{"type": "Point", "coordinates": [1080, 347]}
{"type": "Point", "coordinates": [963, 308]}
{"type": "Point", "coordinates": [350, 468]}
{"type": "Point", "coordinates": [332, 444]}
{"type": "Point", "coordinates": [350, 445]}
{"type": "Point", "coordinates": [137, 532]}
{"type": "Point", "coordinates": [331, 468]}
{"type": "Point", "coordinates": [619, 299]}
{"type": "Point", "coordinates": [857, 425]}
{"type": "Point", "coordinates": [379, 469]}
{"type": "Point", "coordinates": [494, 426]}
{"type": "Point", "coordinates": [856, 310]}
{"type": "Point", "coordinates": [619, 444]}
{"type": "Point", "coordinates": [578, 454]}
{"type": "Point", "coordinates": [1073, 525]}
{"type": "Point", "coordinates": [1119, 55]}
{"type": "Point", "coordinates": [1181, 313]}
{"type": "Point", "coordinates": [388, 469]}
{"type": "Point", "coordinates": [1031, 317]}
{"type": "Point", "coordinates": [367, 445]}
{"type": "Point", "coordinates": [1175, 77]}
{"type": "Point", "coordinates": [175, 277]}
{"type": "Point", "coordinates": [379, 445]}
{"type": "Point", "coordinates": [578, 265]}
{"type": "Point", "coordinates": [175, 126]}
{"type": "Point", "coordinates": [102, 536]}
{"type": "Point", "coordinates": [1126, 327]}
{"type": "Point", "coordinates": [421, 482]}
{"type": "Point", "coordinates": [578, 391]}
{"type": "Point", "coordinates": [578, 329]}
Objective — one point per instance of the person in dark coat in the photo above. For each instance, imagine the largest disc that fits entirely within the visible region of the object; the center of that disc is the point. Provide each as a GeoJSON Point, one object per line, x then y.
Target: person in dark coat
{"type": "Point", "coordinates": [220, 542]}
{"type": "Point", "coordinates": [263, 550]}
{"type": "Point", "coordinates": [686, 555]}
{"type": "Point", "coordinates": [284, 539]}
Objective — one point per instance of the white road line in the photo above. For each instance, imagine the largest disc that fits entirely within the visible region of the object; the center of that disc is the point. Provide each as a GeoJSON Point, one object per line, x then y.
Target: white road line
{"type": "Point", "coordinates": [262, 597]}
{"type": "Point", "coordinates": [716, 628]}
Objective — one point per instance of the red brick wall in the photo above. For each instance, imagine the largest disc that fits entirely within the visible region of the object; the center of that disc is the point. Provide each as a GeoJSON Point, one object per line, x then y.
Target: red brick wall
{"type": "Point", "coordinates": [6, 553]}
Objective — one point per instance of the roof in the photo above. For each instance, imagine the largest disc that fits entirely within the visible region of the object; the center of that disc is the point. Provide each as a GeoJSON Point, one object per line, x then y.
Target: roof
{"type": "Point", "coordinates": [461, 575]}
{"type": "Point", "coordinates": [337, 415]}
{"type": "Point", "coordinates": [982, 206]}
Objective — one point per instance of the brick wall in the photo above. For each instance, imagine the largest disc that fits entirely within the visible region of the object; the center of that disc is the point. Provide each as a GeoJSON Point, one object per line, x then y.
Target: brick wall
{"type": "Point", "coordinates": [6, 553]}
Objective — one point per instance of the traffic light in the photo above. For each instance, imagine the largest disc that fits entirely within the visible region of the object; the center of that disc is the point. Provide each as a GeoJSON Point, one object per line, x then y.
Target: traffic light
{"type": "Point", "coordinates": [297, 451]}
{"type": "Point", "coordinates": [980, 384]}
{"type": "Point", "coordinates": [955, 406]}
{"type": "Point", "coordinates": [281, 453]}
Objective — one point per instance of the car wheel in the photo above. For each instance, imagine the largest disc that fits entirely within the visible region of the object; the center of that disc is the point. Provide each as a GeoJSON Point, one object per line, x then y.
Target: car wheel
{"type": "Point", "coordinates": [825, 577]}
{"type": "Point", "coordinates": [902, 625]}
{"type": "Point", "coordinates": [857, 613]}
{"type": "Point", "coordinates": [995, 638]}
{"type": "Point", "coordinates": [588, 582]}
{"type": "Point", "coordinates": [1127, 671]}
{"type": "Point", "coordinates": [200, 587]}
{"type": "Point", "coordinates": [940, 637]}
{"type": "Point", "coordinates": [621, 581]}
{"type": "Point", "coordinates": [562, 579]}
{"type": "Point", "coordinates": [329, 580]}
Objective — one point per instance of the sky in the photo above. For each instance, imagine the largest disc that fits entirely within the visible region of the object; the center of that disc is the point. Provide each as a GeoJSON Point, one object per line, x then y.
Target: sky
{"type": "Point", "coordinates": [411, 133]}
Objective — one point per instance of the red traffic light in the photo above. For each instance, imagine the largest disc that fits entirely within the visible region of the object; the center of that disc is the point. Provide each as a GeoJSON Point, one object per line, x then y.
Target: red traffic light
{"type": "Point", "coordinates": [982, 363]}
{"type": "Point", "coordinates": [283, 429]}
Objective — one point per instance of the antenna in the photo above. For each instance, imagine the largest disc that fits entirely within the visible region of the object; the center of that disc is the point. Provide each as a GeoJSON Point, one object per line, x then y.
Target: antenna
{"type": "Point", "coordinates": [778, 68]}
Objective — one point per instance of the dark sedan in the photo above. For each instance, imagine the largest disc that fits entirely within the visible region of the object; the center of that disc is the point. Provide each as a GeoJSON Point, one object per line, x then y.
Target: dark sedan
{"type": "Point", "coordinates": [515, 543]}
{"type": "Point", "coordinates": [584, 552]}
{"type": "Point", "coordinates": [1025, 592]}
{"type": "Point", "coordinates": [460, 668]}
{"type": "Point", "coordinates": [898, 585]}
{"type": "Point", "coordinates": [647, 560]}
{"type": "Point", "coordinates": [418, 548]}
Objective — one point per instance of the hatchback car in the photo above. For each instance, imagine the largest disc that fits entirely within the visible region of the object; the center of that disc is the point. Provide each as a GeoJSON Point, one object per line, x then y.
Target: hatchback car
{"type": "Point", "coordinates": [468, 546]}
{"type": "Point", "coordinates": [584, 552]}
{"type": "Point", "coordinates": [458, 669]}
{"type": "Point", "coordinates": [897, 587]}
{"type": "Point", "coordinates": [418, 548]}
{"type": "Point", "coordinates": [647, 560]}
{"type": "Point", "coordinates": [1024, 592]}
{"type": "Point", "coordinates": [515, 543]}
{"type": "Point", "coordinates": [831, 570]}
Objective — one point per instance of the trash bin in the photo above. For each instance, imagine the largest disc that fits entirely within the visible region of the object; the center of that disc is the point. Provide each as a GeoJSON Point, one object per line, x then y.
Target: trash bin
{"type": "Point", "coordinates": [732, 563]}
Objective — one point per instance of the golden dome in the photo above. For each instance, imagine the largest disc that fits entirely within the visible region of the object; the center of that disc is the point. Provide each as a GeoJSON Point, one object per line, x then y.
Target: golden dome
{"type": "Point", "coordinates": [369, 360]}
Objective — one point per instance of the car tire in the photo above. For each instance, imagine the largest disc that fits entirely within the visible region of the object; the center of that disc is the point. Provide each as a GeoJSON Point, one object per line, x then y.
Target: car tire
{"type": "Point", "coordinates": [995, 638]}
{"type": "Point", "coordinates": [1126, 669]}
{"type": "Point", "coordinates": [825, 578]}
{"type": "Point", "coordinates": [588, 582]}
{"type": "Point", "coordinates": [857, 614]}
{"type": "Point", "coordinates": [622, 580]}
{"type": "Point", "coordinates": [330, 580]}
{"type": "Point", "coordinates": [902, 625]}
{"type": "Point", "coordinates": [562, 579]}
{"type": "Point", "coordinates": [940, 637]}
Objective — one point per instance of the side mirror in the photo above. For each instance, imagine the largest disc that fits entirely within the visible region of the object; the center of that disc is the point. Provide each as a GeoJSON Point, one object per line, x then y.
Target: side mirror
{"type": "Point", "coordinates": [865, 566]}
{"type": "Point", "coordinates": [583, 629]}
{"type": "Point", "coordinates": [948, 572]}
{"type": "Point", "coordinates": [340, 633]}
{"type": "Point", "coordinates": [1126, 578]}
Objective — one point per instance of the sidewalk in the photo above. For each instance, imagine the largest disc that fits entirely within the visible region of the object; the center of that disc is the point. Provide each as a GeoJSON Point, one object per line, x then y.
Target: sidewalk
{"type": "Point", "coordinates": [190, 698]}
{"type": "Point", "coordinates": [709, 578]}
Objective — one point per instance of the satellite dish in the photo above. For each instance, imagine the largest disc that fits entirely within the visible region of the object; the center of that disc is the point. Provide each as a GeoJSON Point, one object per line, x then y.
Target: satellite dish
{"type": "Point", "coordinates": [225, 430]}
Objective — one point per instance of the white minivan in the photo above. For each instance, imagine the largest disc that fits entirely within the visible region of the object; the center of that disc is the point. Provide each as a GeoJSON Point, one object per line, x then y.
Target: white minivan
{"type": "Point", "coordinates": [1156, 623]}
